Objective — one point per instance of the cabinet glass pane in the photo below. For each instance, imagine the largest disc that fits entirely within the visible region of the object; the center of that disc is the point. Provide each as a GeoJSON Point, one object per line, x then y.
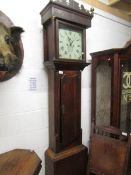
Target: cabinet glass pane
{"type": "Point", "coordinates": [103, 93]}
{"type": "Point", "coordinates": [125, 115]}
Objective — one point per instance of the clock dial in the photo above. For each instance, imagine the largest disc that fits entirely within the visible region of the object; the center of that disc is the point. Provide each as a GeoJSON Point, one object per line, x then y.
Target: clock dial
{"type": "Point", "coordinates": [70, 44]}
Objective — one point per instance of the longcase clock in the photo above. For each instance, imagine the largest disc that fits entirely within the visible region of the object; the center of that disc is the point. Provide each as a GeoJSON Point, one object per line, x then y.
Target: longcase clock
{"type": "Point", "coordinates": [64, 26]}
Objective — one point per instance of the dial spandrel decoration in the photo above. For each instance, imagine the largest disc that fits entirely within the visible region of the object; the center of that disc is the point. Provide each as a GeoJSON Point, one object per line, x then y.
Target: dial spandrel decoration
{"type": "Point", "coordinates": [70, 44]}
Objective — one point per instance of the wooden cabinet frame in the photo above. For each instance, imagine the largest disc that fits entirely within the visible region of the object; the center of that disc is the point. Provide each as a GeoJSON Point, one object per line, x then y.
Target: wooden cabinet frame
{"type": "Point", "coordinates": [115, 58]}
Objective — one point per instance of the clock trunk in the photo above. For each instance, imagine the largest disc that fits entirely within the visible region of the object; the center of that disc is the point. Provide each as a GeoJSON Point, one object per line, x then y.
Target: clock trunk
{"type": "Point", "coordinates": [65, 109]}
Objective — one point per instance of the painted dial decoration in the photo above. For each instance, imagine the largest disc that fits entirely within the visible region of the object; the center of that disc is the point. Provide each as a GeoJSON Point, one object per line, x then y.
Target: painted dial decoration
{"type": "Point", "coordinates": [70, 44]}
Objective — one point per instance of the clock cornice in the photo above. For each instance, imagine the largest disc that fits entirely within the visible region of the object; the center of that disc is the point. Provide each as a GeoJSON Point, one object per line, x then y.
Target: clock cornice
{"type": "Point", "coordinates": [72, 13]}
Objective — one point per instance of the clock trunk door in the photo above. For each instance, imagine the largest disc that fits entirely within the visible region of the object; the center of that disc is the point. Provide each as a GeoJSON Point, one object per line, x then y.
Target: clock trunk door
{"type": "Point", "coordinates": [70, 107]}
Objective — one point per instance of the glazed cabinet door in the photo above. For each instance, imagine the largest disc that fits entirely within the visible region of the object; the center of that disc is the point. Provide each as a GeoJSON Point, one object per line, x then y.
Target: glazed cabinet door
{"type": "Point", "coordinates": [125, 93]}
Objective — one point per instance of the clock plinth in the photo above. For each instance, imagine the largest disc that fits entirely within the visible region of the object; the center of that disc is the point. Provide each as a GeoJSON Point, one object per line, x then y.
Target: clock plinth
{"type": "Point", "coordinates": [69, 162]}
{"type": "Point", "coordinates": [65, 58]}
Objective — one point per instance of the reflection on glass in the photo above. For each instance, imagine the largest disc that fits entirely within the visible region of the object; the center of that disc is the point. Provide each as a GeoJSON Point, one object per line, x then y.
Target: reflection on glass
{"type": "Point", "coordinates": [125, 115]}
{"type": "Point", "coordinates": [103, 93]}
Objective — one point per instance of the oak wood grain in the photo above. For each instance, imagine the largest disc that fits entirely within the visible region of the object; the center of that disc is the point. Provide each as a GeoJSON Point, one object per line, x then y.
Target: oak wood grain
{"type": "Point", "coordinates": [19, 162]}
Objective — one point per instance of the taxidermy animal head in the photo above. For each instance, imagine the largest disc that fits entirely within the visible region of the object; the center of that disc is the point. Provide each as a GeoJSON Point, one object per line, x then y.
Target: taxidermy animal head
{"type": "Point", "coordinates": [9, 49]}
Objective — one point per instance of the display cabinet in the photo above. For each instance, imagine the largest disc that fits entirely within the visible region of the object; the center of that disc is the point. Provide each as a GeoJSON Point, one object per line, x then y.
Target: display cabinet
{"type": "Point", "coordinates": [111, 88]}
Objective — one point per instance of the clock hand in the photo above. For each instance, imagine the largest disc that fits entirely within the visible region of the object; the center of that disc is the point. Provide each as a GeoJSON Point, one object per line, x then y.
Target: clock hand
{"type": "Point", "coordinates": [68, 39]}
{"type": "Point", "coordinates": [71, 42]}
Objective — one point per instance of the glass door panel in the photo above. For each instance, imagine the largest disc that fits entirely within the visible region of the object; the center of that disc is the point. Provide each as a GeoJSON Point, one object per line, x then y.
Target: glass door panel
{"type": "Point", "coordinates": [125, 111]}
{"type": "Point", "coordinates": [103, 93]}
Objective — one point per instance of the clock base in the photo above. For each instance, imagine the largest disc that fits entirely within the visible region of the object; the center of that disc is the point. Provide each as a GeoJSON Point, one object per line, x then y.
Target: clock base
{"type": "Point", "coordinates": [69, 162]}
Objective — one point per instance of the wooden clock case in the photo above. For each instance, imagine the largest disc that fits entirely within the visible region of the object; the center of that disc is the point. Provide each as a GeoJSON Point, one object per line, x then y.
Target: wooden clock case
{"type": "Point", "coordinates": [66, 154]}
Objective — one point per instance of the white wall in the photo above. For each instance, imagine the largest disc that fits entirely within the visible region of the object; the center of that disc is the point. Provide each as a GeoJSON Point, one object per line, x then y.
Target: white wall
{"type": "Point", "coordinates": [107, 32]}
{"type": "Point", "coordinates": [23, 110]}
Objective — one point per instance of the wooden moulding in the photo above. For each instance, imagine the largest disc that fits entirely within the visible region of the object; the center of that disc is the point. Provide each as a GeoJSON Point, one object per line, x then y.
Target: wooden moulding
{"type": "Point", "coordinates": [114, 10]}
{"type": "Point", "coordinates": [66, 65]}
{"type": "Point", "coordinates": [60, 11]}
{"type": "Point", "coordinates": [71, 161]}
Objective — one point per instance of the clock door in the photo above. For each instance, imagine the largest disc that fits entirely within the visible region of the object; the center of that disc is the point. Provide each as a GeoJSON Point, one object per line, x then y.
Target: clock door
{"type": "Point", "coordinates": [70, 97]}
{"type": "Point", "coordinates": [71, 41]}
{"type": "Point", "coordinates": [70, 44]}
{"type": "Point", "coordinates": [125, 102]}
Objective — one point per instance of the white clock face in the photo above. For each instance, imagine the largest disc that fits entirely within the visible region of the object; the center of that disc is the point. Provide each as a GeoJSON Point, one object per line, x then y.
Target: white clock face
{"type": "Point", "coordinates": [70, 44]}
